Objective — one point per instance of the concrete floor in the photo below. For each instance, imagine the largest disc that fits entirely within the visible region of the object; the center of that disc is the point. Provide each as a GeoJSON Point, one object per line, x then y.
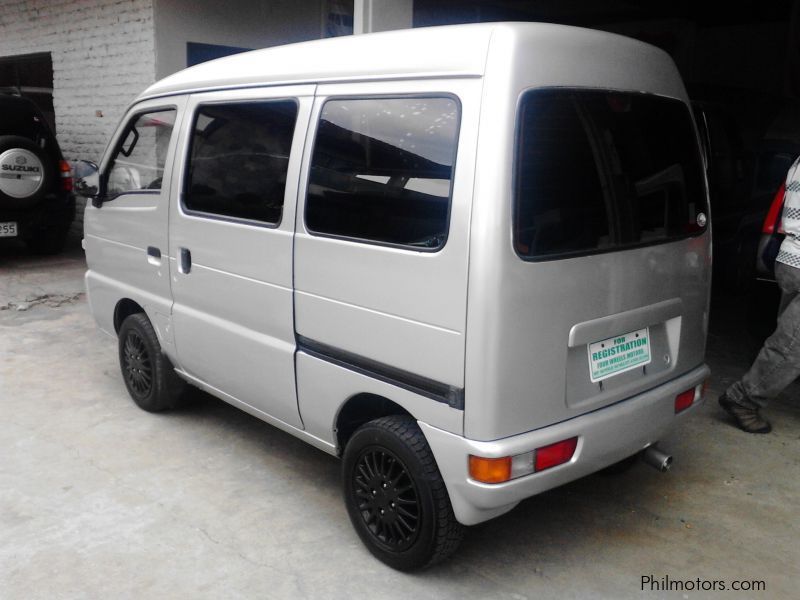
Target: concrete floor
{"type": "Point", "coordinates": [99, 499]}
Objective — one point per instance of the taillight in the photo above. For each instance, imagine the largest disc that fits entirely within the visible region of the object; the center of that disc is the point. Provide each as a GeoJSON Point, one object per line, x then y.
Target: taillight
{"type": "Point", "coordinates": [556, 454]}
{"type": "Point", "coordinates": [65, 171]}
{"type": "Point", "coordinates": [500, 470]}
{"type": "Point", "coordinates": [770, 222]}
{"type": "Point", "coordinates": [686, 399]}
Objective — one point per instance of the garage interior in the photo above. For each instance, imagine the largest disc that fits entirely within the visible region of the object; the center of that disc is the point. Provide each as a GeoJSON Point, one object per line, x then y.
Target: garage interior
{"type": "Point", "coordinates": [30, 75]}
{"type": "Point", "coordinates": [98, 498]}
{"type": "Point", "coordinates": [741, 66]}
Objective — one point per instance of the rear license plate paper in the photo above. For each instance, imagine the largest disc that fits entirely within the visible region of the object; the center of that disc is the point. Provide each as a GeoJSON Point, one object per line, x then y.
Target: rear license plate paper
{"type": "Point", "coordinates": [619, 354]}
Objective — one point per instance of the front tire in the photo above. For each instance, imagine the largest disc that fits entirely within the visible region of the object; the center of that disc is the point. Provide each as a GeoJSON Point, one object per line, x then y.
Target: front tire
{"type": "Point", "coordinates": [395, 495]}
{"type": "Point", "coordinates": [148, 374]}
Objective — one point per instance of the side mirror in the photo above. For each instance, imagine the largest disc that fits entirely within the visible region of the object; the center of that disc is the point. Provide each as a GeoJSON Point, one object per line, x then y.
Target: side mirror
{"type": "Point", "coordinates": [87, 180]}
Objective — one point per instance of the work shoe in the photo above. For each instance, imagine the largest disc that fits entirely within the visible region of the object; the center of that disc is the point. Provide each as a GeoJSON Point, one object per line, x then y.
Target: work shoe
{"type": "Point", "coordinates": [746, 418]}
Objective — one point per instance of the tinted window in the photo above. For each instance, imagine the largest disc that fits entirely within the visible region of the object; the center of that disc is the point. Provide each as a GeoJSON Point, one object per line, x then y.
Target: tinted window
{"type": "Point", "coordinates": [239, 158]}
{"type": "Point", "coordinates": [382, 170]}
{"type": "Point", "coordinates": [20, 117]}
{"type": "Point", "coordinates": [600, 170]}
{"type": "Point", "coordinates": [138, 162]}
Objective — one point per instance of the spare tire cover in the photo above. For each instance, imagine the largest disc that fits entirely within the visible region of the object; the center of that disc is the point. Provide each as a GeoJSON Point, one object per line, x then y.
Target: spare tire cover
{"type": "Point", "coordinates": [21, 173]}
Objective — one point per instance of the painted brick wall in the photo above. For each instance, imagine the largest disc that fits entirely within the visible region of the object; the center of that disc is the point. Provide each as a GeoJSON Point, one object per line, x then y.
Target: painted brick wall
{"type": "Point", "coordinates": [103, 56]}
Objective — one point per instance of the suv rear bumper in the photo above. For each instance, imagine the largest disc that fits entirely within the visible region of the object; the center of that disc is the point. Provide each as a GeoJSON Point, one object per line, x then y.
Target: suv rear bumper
{"type": "Point", "coordinates": [53, 212]}
{"type": "Point", "coordinates": [605, 437]}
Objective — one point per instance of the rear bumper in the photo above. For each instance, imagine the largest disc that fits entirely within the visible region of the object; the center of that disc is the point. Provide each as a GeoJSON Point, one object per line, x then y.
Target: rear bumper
{"type": "Point", "coordinates": [605, 437]}
{"type": "Point", "coordinates": [55, 211]}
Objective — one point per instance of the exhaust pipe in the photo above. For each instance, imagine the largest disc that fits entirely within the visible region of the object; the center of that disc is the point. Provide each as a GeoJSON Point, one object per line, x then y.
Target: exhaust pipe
{"type": "Point", "coordinates": [657, 459]}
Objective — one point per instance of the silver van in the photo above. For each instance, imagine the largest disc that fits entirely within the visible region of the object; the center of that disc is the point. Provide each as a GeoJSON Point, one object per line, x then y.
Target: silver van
{"type": "Point", "coordinates": [472, 261]}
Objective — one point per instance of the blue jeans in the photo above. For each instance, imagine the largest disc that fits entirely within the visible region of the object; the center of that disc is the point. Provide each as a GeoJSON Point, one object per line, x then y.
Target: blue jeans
{"type": "Point", "coordinates": [778, 362]}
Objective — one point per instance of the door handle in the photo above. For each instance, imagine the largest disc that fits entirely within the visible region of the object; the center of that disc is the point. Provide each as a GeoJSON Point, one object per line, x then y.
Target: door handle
{"type": "Point", "coordinates": [185, 264]}
{"type": "Point", "coordinates": [154, 256]}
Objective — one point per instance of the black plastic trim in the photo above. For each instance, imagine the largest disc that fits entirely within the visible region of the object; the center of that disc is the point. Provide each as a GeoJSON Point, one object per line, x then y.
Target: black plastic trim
{"type": "Point", "coordinates": [435, 390]}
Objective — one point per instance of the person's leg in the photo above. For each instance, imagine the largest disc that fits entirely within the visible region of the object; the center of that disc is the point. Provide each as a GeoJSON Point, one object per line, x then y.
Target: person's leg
{"type": "Point", "coordinates": [777, 364]}
{"type": "Point", "coordinates": [788, 280]}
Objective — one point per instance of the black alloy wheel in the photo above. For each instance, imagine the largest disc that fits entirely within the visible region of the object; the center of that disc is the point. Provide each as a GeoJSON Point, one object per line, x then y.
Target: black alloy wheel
{"type": "Point", "coordinates": [395, 495]}
{"type": "Point", "coordinates": [137, 366]}
{"type": "Point", "coordinates": [389, 502]}
{"type": "Point", "coordinates": [148, 374]}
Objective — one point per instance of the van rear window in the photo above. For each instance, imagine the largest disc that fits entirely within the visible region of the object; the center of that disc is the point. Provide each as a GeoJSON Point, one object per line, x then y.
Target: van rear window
{"type": "Point", "coordinates": [598, 171]}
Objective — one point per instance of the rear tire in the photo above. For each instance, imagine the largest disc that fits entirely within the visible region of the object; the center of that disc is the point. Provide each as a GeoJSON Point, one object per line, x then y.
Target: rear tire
{"type": "Point", "coordinates": [395, 495]}
{"type": "Point", "coordinates": [148, 374]}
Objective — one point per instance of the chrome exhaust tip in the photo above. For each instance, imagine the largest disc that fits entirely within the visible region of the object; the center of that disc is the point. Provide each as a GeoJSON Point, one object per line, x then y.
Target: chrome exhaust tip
{"type": "Point", "coordinates": [657, 459]}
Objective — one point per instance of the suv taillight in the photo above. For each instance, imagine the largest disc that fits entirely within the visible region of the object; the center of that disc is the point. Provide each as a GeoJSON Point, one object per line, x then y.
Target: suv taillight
{"type": "Point", "coordinates": [65, 171]}
{"type": "Point", "coordinates": [770, 222]}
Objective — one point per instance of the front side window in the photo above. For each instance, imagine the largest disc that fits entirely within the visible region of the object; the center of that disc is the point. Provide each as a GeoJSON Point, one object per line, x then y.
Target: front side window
{"type": "Point", "coordinates": [382, 170]}
{"type": "Point", "coordinates": [599, 170]}
{"type": "Point", "coordinates": [239, 158]}
{"type": "Point", "coordinates": [138, 162]}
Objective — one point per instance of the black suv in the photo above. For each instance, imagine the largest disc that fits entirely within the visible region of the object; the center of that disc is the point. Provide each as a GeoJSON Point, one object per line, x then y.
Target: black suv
{"type": "Point", "coordinates": [36, 200]}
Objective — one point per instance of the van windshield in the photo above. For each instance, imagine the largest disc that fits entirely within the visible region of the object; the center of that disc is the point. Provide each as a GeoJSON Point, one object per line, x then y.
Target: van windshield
{"type": "Point", "coordinates": [599, 170]}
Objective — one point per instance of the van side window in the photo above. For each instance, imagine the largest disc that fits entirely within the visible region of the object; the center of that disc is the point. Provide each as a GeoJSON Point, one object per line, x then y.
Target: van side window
{"type": "Point", "coordinates": [382, 170]}
{"type": "Point", "coordinates": [599, 170]}
{"type": "Point", "coordinates": [138, 162]}
{"type": "Point", "coordinates": [239, 158]}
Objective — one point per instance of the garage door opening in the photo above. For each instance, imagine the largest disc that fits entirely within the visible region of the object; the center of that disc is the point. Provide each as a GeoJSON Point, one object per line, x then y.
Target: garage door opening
{"type": "Point", "coordinates": [31, 76]}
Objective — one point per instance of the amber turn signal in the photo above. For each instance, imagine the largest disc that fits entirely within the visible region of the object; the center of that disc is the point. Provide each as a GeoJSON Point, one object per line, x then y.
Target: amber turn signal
{"type": "Point", "coordinates": [490, 470]}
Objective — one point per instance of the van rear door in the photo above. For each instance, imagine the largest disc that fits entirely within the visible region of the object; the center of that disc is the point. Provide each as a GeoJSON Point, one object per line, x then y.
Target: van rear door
{"type": "Point", "coordinates": [605, 295]}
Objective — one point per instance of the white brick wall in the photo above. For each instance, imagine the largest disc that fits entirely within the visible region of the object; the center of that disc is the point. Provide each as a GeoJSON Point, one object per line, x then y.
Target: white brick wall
{"type": "Point", "coordinates": [103, 56]}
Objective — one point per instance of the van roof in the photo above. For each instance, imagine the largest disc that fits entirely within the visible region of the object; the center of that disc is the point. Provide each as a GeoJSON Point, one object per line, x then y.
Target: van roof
{"type": "Point", "coordinates": [428, 52]}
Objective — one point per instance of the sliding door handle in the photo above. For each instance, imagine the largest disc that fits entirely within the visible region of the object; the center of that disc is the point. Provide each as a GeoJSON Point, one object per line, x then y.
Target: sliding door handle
{"type": "Point", "coordinates": [154, 256]}
{"type": "Point", "coordinates": [185, 261]}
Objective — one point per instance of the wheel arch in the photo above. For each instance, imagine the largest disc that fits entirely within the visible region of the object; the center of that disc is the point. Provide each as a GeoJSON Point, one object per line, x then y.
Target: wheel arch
{"type": "Point", "coordinates": [125, 308]}
{"type": "Point", "coordinates": [359, 409]}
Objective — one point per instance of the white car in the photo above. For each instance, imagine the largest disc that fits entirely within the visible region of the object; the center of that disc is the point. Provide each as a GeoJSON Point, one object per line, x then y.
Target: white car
{"type": "Point", "coordinates": [472, 261]}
